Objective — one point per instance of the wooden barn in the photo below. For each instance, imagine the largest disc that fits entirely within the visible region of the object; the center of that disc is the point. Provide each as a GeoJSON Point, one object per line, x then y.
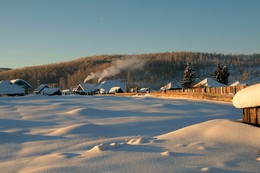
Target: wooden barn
{"type": "Point", "coordinates": [249, 100]}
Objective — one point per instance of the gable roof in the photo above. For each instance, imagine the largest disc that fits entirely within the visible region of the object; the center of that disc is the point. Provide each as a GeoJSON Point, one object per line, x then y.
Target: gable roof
{"type": "Point", "coordinates": [208, 83]}
{"type": "Point", "coordinates": [6, 87]}
{"type": "Point", "coordinates": [21, 82]}
{"type": "Point", "coordinates": [40, 88]}
{"type": "Point", "coordinates": [51, 91]}
{"type": "Point", "coordinates": [170, 86]}
{"type": "Point", "coordinates": [86, 88]}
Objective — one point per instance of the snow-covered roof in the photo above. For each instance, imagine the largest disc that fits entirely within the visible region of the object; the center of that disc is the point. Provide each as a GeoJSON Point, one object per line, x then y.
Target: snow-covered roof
{"type": "Point", "coordinates": [114, 90]}
{"type": "Point", "coordinates": [51, 91]}
{"type": "Point", "coordinates": [21, 82]}
{"type": "Point", "coordinates": [237, 83]}
{"type": "Point", "coordinates": [6, 87]}
{"type": "Point", "coordinates": [87, 87]}
{"type": "Point", "coordinates": [41, 87]}
{"type": "Point", "coordinates": [208, 82]}
{"type": "Point", "coordinates": [170, 85]}
{"type": "Point", "coordinates": [143, 90]}
{"type": "Point", "coordinates": [247, 97]}
{"type": "Point", "coordinates": [108, 84]}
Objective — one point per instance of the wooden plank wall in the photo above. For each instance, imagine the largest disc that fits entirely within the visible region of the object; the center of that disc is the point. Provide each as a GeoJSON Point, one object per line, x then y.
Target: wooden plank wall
{"type": "Point", "coordinates": [251, 116]}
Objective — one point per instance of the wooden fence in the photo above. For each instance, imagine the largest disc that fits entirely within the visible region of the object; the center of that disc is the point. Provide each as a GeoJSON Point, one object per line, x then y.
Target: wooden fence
{"type": "Point", "coordinates": [217, 93]}
{"type": "Point", "coordinates": [214, 90]}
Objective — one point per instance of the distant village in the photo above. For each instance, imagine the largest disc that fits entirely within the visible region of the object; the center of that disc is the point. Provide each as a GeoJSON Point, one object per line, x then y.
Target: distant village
{"type": "Point", "coordinates": [20, 87]}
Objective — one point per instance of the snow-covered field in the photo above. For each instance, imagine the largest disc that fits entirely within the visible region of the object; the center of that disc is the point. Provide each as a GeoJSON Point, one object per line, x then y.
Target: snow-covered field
{"type": "Point", "coordinates": [124, 134]}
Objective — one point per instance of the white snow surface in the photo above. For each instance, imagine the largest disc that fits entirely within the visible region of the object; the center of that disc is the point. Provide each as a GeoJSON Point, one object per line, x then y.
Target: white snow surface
{"type": "Point", "coordinates": [124, 134]}
{"type": "Point", "coordinates": [247, 97]}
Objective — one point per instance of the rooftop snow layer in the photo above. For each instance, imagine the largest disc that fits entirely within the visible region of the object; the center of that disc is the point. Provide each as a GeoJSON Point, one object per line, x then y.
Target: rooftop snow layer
{"type": "Point", "coordinates": [247, 97]}
{"type": "Point", "coordinates": [7, 87]}
{"type": "Point", "coordinates": [208, 82]}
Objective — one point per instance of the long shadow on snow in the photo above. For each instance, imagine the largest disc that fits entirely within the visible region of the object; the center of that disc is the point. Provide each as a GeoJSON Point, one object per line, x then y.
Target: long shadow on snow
{"type": "Point", "coordinates": [21, 138]}
{"type": "Point", "coordinates": [10, 123]}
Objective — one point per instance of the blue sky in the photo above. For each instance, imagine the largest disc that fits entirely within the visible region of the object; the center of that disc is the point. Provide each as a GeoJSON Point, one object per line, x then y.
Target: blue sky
{"type": "Point", "coordinates": [35, 32]}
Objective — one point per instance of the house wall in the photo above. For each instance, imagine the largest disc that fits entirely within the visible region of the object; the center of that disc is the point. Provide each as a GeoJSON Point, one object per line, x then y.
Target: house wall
{"type": "Point", "coordinates": [251, 116]}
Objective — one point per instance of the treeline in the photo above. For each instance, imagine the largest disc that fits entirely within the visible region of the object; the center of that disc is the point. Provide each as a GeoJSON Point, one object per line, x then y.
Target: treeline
{"type": "Point", "coordinates": [4, 69]}
{"type": "Point", "coordinates": [159, 69]}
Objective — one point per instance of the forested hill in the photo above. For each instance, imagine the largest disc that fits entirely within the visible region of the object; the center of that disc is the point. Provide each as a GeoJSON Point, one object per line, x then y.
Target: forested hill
{"type": "Point", "coordinates": [144, 70]}
{"type": "Point", "coordinates": [4, 69]}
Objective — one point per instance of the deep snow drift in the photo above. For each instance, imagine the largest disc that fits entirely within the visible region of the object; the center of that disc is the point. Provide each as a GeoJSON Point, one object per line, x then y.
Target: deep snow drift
{"type": "Point", "coordinates": [124, 134]}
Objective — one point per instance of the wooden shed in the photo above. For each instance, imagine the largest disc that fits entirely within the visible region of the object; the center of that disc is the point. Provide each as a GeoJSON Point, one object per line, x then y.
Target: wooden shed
{"type": "Point", "coordinates": [249, 100]}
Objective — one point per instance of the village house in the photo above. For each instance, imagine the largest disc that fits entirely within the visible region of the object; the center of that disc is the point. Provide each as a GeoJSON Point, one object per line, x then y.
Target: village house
{"type": "Point", "coordinates": [10, 89]}
{"type": "Point", "coordinates": [85, 89]}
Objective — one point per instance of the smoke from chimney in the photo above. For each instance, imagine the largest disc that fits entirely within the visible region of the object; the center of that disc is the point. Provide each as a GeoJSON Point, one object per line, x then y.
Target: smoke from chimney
{"type": "Point", "coordinates": [116, 67]}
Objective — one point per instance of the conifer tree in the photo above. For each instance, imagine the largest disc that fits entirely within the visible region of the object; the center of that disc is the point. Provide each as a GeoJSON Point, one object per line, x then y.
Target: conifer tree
{"type": "Point", "coordinates": [221, 74]}
{"type": "Point", "coordinates": [189, 76]}
{"type": "Point", "coordinates": [225, 75]}
{"type": "Point", "coordinates": [218, 73]}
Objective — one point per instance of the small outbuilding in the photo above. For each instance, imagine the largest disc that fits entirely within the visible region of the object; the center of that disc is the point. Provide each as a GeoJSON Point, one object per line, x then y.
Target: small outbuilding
{"type": "Point", "coordinates": [144, 90]}
{"type": "Point", "coordinates": [170, 86]}
{"type": "Point", "coordinates": [40, 88]}
{"type": "Point", "coordinates": [249, 100]}
{"type": "Point", "coordinates": [10, 89]}
{"type": "Point", "coordinates": [114, 90]}
{"type": "Point", "coordinates": [51, 91]}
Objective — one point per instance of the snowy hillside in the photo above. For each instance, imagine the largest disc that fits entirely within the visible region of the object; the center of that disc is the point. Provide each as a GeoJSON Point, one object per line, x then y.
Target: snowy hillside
{"type": "Point", "coordinates": [124, 134]}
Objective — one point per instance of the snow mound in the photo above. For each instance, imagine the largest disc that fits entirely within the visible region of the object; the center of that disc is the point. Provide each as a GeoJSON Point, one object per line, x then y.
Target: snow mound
{"type": "Point", "coordinates": [247, 97]}
{"type": "Point", "coordinates": [219, 131]}
{"type": "Point", "coordinates": [114, 145]}
{"type": "Point", "coordinates": [77, 129]}
{"type": "Point", "coordinates": [87, 112]}
{"type": "Point", "coordinates": [137, 141]}
{"type": "Point", "coordinates": [98, 148]}
{"type": "Point", "coordinates": [165, 153]}
{"type": "Point", "coordinates": [206, 169]}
